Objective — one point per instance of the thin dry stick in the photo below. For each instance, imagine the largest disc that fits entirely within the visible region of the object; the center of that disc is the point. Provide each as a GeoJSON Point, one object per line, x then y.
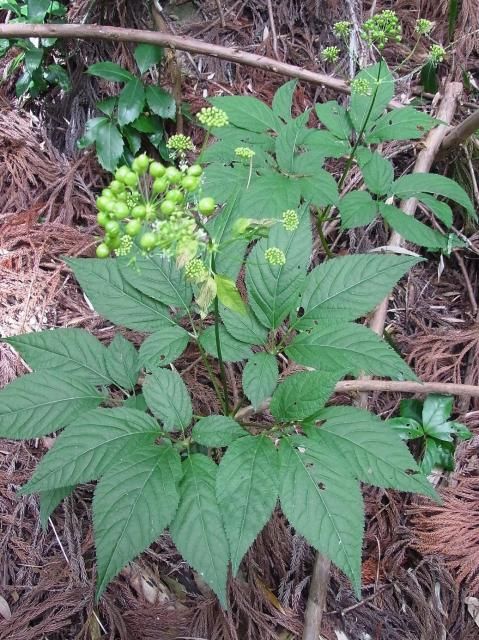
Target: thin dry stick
{"type": "Point", "coordinates": [119, 34]}
{"type": "Point", "coordinates": [460, 133]}
{"type": "Point", "coordinates": [274, 36]}
{"type": "Point", "coordinates": [318, 590]}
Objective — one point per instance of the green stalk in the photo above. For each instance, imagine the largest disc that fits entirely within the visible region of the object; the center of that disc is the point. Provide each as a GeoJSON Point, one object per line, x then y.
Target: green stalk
{"type": "Point", "coordinates": [216, 311]}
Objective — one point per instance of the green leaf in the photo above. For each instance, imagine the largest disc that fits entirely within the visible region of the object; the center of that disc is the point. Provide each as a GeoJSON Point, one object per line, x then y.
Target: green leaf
{"type": "Point", "coordinates": [406, 428]}
{"type": "Point", "coordinates": [411, 408]}
{"type": "Point", "coordinates": [163, 347]}
{"type": "Point", "coordinates": [348, 287]}
{"type": "Point", "coordinates": [161, 102]}
{"type": "Point", "coordinates": [378, 172]}
{"type": "Point", "coordinates": [357, 209]}
{"type": "Point", "coordinates": [91, 130]}
{"type": "Point", "coordinates": [283, 100]}
{"type": "Point", "coordinates": [230, 137]}
{"type": "Point", "coordinates": [247, 491]}
{"type": "Point", "coordinates": [158, 277]}
{"type": "Point", "coordinates": [247, 112]}
{"type": "Point", "coordinates": [335, 118]}
{"type": "Point", "coordinates": [68, 352]}
{"type": "Point", "coordinates": [148, 124]}
{"type": "Point", "coordinates": [88, 447]}
{"type": "Point", "coordinates": [23, 84]}
{"type": "Point", "coordinates": [168, 398]}
{"type": "Point", "coordinates": [147, 55]}
{"type": "Point", "coordinates": [133, 139]}
{"type": "Point", "coordinates": [225, 184]}
{"type": "Point", "coordinates": [291, 136]}
{"type": "Point", "coordinates": [365, 109]}
{"type": "Point", "coordinates": [320, 189]}
{"type": "Point", "coordinates": [312, 483]}
{"type": "Point", "coordinates": [414, 183]}
{"type": "Point", "coordinates": [400, 124]}
{"type": "Point", "coordinates": [460, 430]}
{"type": "Point", "coordinates": [217, 431]}
{"type": "Point", "coordinates": [440, 209]}
{"type": "Point", "coordinates": [435, 414]}
{"type": "Point", "coordinates": [302, 395]}
{"type": "Point", "coordinates": [114, 298]}
{"type": "Point", "coordinates": [243, 326]}
{"type": "Point", "coordinates": [413, 230]}
{"type": "Point", "coordinates": [268, 196]}
{"type": "Point", "coordinates": [39, 403]}
{"type": "Point", "coordinates": [260, 377]}
{"type": "Point", "coordinates": [49, 501]}
{"type": "Point", "coordinates": [109, 145]}
{"type": "Point", "coordinates": [107, 106]}
{"type": "Point", "coordinates": [327, 144]}
{"type": "Point", "coordinates": [369, 449]}
{"type": "Point", "coordinates": [136, 402]}
{"type": "Point", "coordinates": [197, 529]}
{"type": "Point", "coordinates": [38, 9]}
{"type": "Point", "coordinates": [228, 294]}
{"type": "Point", "coordinates": [134, 501]}
{"type": "Point", "coordinates": [429, 78]}
{"type": "Point", "coordinates": [437, 454]}
{"type": "Point", "coordinates": [33, 59]}
{"type": "Point", "coordinates": [110, 71]}
{"type": "Point", "coordinates": [348, 349]}
{"type": "Point", "coordinates": [232, 350]}
{"type": "Point", "coordinates": [131, 101]}
{"type": "Point", "coordinates": [273, 290]}
{"type": "Point", "coordinates": [122, 362]}
{"type": "Point", "coordinates": [57, 75]}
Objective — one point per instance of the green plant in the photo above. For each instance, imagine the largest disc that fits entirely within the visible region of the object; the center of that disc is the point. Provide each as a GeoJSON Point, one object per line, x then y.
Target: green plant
{"type": "Point", "coordinates": [429, 422]}
{"type": "Point", "coordinates": [40, 59]}
{"type": "Point", "coordinates": [139, 110]}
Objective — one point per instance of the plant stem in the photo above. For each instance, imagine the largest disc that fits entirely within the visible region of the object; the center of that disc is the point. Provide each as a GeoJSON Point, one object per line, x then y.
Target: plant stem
{"type": "Point", "coordinates": [322, 237]}
{"type": "Point", "coordinates": [216, 312]}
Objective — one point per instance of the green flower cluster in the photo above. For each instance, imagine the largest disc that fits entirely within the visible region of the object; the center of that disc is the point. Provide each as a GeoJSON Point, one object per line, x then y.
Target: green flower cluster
{"type": "Point", "coordinates": [342, 29]}
{"type": "Point", "coordinates": [361, 87]}
{"type": "Point", "coordinates": [275, 256]}
{"type": "Point", "coordinates": [423, 26]}
{"type": "Point", "coordinates": [330, 54]}
{"type": "Point", "coordinates": [290, 220]}
{"type": "Point", "coordinates": [211, 117]}
{"type": "Point", "coordinates": [437, 54]}
{"type": "Point", "coordinates": [180, 143]}
{"type": "Point", "coordinates": [382, 28]}
{"type": "Point", "coordinates": [245, 152]}
{"type": "Point", "coordinates": [158, 205]}
{"type": "Point", "coordinates": [196, 271]}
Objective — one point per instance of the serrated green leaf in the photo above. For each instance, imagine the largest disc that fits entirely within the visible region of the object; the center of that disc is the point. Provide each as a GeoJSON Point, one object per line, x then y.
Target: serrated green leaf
{"type": "Point", "coordinates": [163, 347]}
{"type": "Point", "coordinates": [39, 403]}
{"type": "Point", "coordinates": [414, 183]}
{"type": "Point", "coordinates": [260, 377]}
{"type": "Point", "coordinates": [319, 189]}
{"type": "Point", "coordinates": [247, 113]}
{"type": "Point", "coordinates": [168, 398]}
{"type": "Point", "coordinates": [91, 128]}
{"type": "Point", "coordinates": [109, 145]}
{"type": "Point", "coordinates": [291, 136]}
{"type": "Point", "coordinates": [107, 106]}
{"type": "Point", "coordinates": [232, 350]}
{"type": "Point", "coordinates": [115, 299]}
{"type": "Point", "coordinates": [406, 428]}
{"type": "Point", "coordinates": [122, 362]}
{"type": "Point", "coordinates": [243, 326]}
{"type": "Point", "coordinates": [413, 230]}
{"type": "Point", "coordinates": [348, 349]}
{"type": "Point", "coordinates": [147, 55]}
{"type": "Point", "coordinates": [134, 501]}
{"type": "Point", "coordinates": [283, 100]}
{"type": "Point", "coordinates": [197, 529]}
{"type": "Point", "coordinates": [49, 501]}
{"type": "Point", "coordinates": [88, 447]}
{"type": "Point", "coordinates": [133, 139]}
{"type": "Point", "coordinates": [400, 124]}
{"type": "Point", "coordinates": [440, 209]}
{"type": "Point", "coordinates": [229, 138]}
{"type": "Point", "coordinates": [268, 196]}
{"type": "Point", "coordinates": [228, 294]}
{"type": "Point", "coordinates": [131, 101]}
{"type": "Point", "coordinates": [217, 431]}
{"type": "Point", "coordinates": [335, 118]}
{"type": "Point", "coordinates": [247, 491]}
{"type": "Point", "coordinates": [348, 287]}
{"type": "Point", "coordinates": [378, 172]}
{"type": "Point", "coordinates": [369, 449]}
{"type": "Point", "coordinates": [110, 71]}
{"type": "Point", "coordinates": [312, 483]}
{"type": "Point", "coordinates": [225, 184]}
{"type": "Point", "coordinates": [365, 109]}
{"type": "Point", "coordinates": [68, 352]}
{"type": "Point", "coordinates": [327, 144]}
{"type": "Point", "coordinates": [136, 402]}
{"type": "Point", "coordinates": [357, 209]}
{"type": "Point", "coordinates": [273, 290]}
{"type": "Point", "coordinates": [301, 395]}
{"type": "Point", "coordinates": [158, 277]}
{"type": "Point", "coordinates": [161, 102]}
{"type": "Point", "coordinates": [147, 124]}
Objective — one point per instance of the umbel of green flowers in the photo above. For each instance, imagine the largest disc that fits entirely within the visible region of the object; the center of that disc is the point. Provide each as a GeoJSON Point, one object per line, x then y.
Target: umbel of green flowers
{"type": "Point", "coordinates": [382, 28]}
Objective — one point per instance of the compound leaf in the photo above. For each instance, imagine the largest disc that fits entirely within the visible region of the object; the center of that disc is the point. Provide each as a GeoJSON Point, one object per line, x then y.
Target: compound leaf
{"type": "Point", "coordinates": [243, 326]}
{"type": "Point", "coordinates": [160, 102]}
{"type": "Point", "coordinates": [109, 144]}
{"type": "Point", "coordinates": [378, 172]}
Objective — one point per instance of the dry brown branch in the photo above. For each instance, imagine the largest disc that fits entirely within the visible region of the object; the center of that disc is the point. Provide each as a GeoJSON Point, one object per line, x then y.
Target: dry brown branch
{"type": "Point", "coordinates": [318, 590]}
{"type": "Point", "coordinates": [119, 34]}
{"type": "Point", "coordinates": [460, 133]}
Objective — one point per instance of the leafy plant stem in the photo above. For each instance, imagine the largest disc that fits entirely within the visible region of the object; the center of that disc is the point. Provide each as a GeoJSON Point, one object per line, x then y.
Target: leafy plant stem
{"type": "Point", "coordinates": [216, 312]}
{"type": "Point", "coordinates": [322, 237]}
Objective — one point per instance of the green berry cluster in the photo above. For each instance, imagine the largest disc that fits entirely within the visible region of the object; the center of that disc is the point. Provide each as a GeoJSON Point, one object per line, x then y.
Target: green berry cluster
{"type": "Point", "coordinates": [423, 26]}
{"type": "Point", "coordinates": [361, 87]}
{"type": "Point", "coordinates": [382, 28]}
{"type": "Point", "coordinates": [211, 117]}
{"type": "Point", "coordinates": [342, 29]}
{"type": "Point", "coordinates": [437, 54]}
{"type": "Point", "coordinates": [196, 271]}
{"type": "Point", "coordinates": [158, 205]}
{"type": "Point", "coordinates": [180, 143]}
{"type": "Point", "coordinates": [290, 220]}
{"type": "Point", "coordinates": [330, 54]}
{"type": "Point", "coordinates": [275, 256]}
{"type": "Point", "coordinates": [245, 152]}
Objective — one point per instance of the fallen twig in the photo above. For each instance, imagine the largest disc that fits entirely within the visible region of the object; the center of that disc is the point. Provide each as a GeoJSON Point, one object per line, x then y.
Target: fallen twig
{"type": "Point", "coordinates": [460, 133]}
{"type": "Point", "coordinates": [318, 590]}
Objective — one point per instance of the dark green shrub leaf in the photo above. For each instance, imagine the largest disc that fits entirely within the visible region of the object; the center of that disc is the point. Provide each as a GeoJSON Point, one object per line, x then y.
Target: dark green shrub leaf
{"type": "Point", "coordinates": [110, 71]}
{"type": "Point", "coordinates": [57, 75]}
{"type": "Point", "coordinates": [168, 398]}
{"type": "Point", "coordinates": [440, 209]}
{"type": "Point", "coordinates": [429, 79]}
{"type": "Point", "coordinates": [378, 172]}
{"type": "Point", "coordinates": [109, 144]}
{"type": "Point", "coordinates": [413, 230]}
{"type": "Point", "coordinates": [247, 113]}
{"type": "Point", "coordinates": [435, 413]}
{"type": "Point", "coordinates": [291, 136]}
{"type": "Point", "coordinates": [268, 196]}
{"type": "Point", "coordinates": [260, 377]}
{"type": "Point", "coordinates": [232, 350]}
{"type": "Point", "coordinates": [283, 100]}
{"type": "Point", "coordinates": [107, 106]}
{"type": "Point", "coordinates": [357, 209]}
{"type": "Point", "coordinates": [33, 59]}
{"type": "Point", "coordinates": [38, 9]}
{"type": "Point", "coordinates": [131, 101]}
{"type": "Point", "coordinates": [247, 491]}
{"type": "Point", "coordinates": [163, 347]}
{"type": "Point", "coordinates": [147, 55]}
{"type": "Point", "coordinates": [302, 395]}
{"type": "Point", "coordinates": [400, 124]}
{"type": "Point", "coordinates": [91, 130]}
{"type": "Point", "coordinates": [243, 326]}
{"type": "Point", "coordinates": [319, 189]}
{"type": "Point", "coordinates": [161, 102]}
{"type": "Point", "coordinates": [122, 362]}
{"type": "Point", "coordinates": [49, 501]}
{"type": "Point", "coordinates": [335, 118]}
{"type": "Point", "coordinates": [327, 144]}
{"type": "Point", "coordinates": [406, 428]}
{"type": "Point", "coordinates": [217, 431]}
